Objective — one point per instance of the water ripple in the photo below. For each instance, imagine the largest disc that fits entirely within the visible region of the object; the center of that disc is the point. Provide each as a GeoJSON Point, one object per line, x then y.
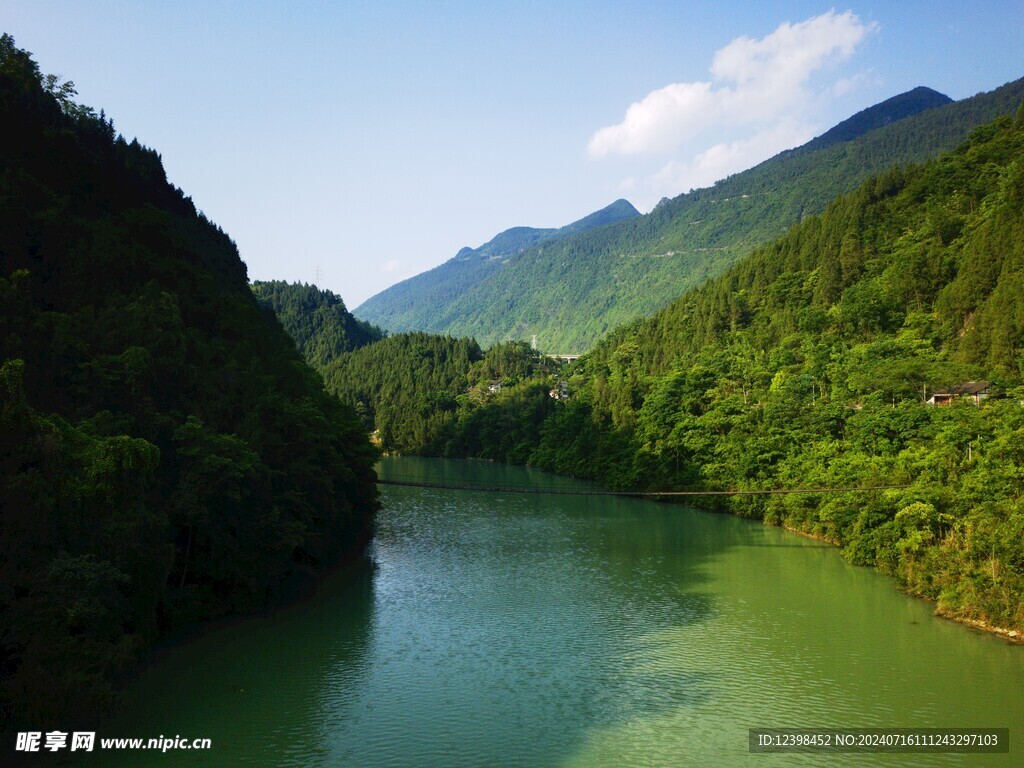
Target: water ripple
{"type": "Point", "coordinates": [578, 631]}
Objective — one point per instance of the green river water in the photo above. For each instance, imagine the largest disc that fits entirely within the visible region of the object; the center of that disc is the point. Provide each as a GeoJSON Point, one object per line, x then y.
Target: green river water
{"type": "Point", "coordinates": [524, 630]}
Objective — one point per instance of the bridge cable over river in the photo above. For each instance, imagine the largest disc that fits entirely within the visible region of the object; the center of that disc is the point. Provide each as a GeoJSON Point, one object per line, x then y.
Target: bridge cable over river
{"type": "Point", "coordinates": [655, 494]}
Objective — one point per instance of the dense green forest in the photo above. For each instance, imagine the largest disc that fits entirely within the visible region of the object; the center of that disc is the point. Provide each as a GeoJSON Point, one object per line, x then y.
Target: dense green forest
{"type": "Point", "coordinates": [421, 303]}
{"type": "Point", "coordinates": [808, 365]}
{"type": "Point", "coordinates": [316, 320]}
{"type": "Point", "coordinates": [404, 386]}
{"type": "Point", "coordinates": [165, 454]}
{"type": "Point", "coordinates": [571, 291]}
{"type": "Point", "coordinates": [440, 395]}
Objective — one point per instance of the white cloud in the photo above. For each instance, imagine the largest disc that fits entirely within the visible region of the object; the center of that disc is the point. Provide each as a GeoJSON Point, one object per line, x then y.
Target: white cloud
{"type": "Point", "coordinates": [849, 84]}
{"type": "Point", "coordinates": [391, 265]}
{"type": "Point", "coordinates": [725, 158]}
{"type": "Point", "coordinates": [755, 82]}
{"type": "Point", "coordinates": [658, 122]}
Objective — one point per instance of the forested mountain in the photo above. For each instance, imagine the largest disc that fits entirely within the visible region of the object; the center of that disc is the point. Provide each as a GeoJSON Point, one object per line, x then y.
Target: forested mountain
{"type": "Point", "coordinates": [878, 116]}
{"type": "Point", "coordinates": [420, 303]}
{"type": "Point", "coordinates": [317, 320]}
{"type": "Point", "coordinates": [165, 454]}
{"type": "Point", "coordinates": [423, 393]}
{"type": "Point", "coordinates": [405, 386]}
{"type": "Point", "coordinates": [908, 285]}
{"type": "Point", "coordinates": [808, 364]}
{"type": "Point", "coordinates": [571, 291]}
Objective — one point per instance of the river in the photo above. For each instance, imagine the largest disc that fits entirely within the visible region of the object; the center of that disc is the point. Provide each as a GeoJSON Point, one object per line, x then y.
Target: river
{"type": "Point", "coordinates": [524, 630]}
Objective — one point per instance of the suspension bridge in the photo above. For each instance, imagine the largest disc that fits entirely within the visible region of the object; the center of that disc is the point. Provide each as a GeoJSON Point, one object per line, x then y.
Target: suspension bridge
{"type": "Point", "coordinates": [653, 494]}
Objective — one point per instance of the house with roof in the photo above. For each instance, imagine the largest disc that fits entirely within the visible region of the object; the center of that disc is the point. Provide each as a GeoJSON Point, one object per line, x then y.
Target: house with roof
{"type": "Point", "coordinates": [976, 390]}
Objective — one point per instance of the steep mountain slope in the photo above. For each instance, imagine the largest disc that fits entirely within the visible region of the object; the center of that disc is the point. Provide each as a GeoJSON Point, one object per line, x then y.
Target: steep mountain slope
{"type": "Point", "coordinates": [932, 253]}
{"type": "Point", "coordinates": [571, 291]}
{"type": "Point", "coordinates": [406, 386]}
{"type": "Point", "coordinates": [420, 393]}
{"type": "Point", "coordinates": [878, 116]}
{"type": "Point", "coordinates": [418, 303]}
{"type": "Point", "coordinates": [317, 321]}
{"type": "Point", "coordinates": [807, 365]}
{"type": "Point", "coordinates": [165, 455]}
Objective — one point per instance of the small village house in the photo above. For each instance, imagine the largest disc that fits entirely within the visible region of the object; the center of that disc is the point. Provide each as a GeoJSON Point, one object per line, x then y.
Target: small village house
{"type": "Point", "coordinates": [976, 390]}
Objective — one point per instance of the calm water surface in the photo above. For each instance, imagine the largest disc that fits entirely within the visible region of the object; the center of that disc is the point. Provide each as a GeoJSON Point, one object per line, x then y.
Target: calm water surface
{"type": "Point", "coordinates": [524, 630]}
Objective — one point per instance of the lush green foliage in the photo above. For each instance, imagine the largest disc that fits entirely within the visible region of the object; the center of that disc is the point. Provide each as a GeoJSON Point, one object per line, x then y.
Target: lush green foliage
{"type": "Point", "coordinates": [405, 386]}
{"type": "Point", "coordinates": [807, 366]}
{"type": "Point", "coordinates": [316, 320]}
{"type": "Point", "coordinates": [436, 395]}
{"type": "Point", "coordinates": [165, 455]}
{"type": "Point", "coordinates": [571, 291]}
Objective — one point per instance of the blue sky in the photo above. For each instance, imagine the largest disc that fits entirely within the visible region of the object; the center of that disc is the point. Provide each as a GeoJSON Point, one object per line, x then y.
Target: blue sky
{"type": "Point", "coordinates": [373, 140]}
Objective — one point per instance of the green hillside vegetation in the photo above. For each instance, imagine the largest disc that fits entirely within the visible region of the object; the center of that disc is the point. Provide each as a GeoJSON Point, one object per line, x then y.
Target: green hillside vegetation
{"type": "Point", "coordinates": [316, 320]}
{"type": "Point", "coordinates": [419, 303]}
{"type": "Point", "coordinates": [165, 454]}
{"type": "Point", "coordinates": [404, 386]}
{"type": "Point", "coordinates": [438, 395]}
{"type": "Point", "coordinates": [572, 291]}
{"type": "Point", "coordinates": [807, 366]}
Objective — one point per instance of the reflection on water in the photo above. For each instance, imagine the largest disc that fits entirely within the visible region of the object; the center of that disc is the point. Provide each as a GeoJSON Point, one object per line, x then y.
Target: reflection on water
{"type": "Point", "coordinates": [258, 687]}
{"type": "Point", "coordinates": [524, 630]}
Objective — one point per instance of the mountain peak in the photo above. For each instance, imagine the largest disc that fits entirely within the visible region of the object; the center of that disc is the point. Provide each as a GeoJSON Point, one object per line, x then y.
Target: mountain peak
{"type": "Point", "coordinates": [571, 289]}
{"type": "Point", "coordinates": [889, 111]}
{"type": "Point", "coordinates": [413, 303]}
{"type": "Point", "coordinates": [618, 211]}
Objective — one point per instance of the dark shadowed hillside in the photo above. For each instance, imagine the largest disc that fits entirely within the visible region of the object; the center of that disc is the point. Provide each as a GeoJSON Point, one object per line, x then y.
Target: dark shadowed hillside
{"type": "Point", "coordinates": [165, 454]}
{"type": "Point", "coordinates": [879, 116]}
{"type": "Point", "coordinates": [316, 320]}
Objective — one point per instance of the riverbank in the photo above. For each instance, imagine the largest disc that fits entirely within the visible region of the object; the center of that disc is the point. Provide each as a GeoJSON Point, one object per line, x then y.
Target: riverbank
{"type": "Point", "coordinates": [528, 630]}
{"type": "Point", "coordinates": [1011, 635]}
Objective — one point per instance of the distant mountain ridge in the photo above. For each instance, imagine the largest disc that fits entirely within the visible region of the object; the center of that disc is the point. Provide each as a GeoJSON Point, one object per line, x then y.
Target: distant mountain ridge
{"type": "Point", "coordinates": [165, 455]}
{"type": "Point", "coordinates": [517, 239]}
{"type": "Point", "coordinates": [413, 304]}
{"type": "Point", "coordinates": [571, 290]}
